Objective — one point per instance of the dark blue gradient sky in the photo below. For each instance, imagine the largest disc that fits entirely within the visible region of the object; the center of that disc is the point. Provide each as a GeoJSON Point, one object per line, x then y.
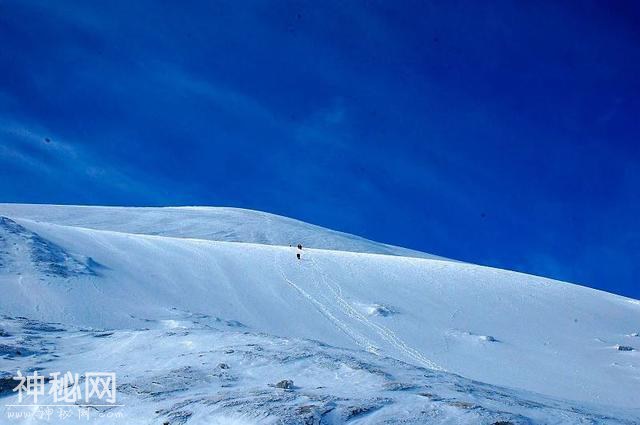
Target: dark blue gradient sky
{"type": "Point", "coordinates": [500, 133]}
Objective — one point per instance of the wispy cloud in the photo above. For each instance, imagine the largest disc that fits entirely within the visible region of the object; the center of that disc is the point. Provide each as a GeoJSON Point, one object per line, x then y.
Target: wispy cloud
{"type": "Point", "coordinates": [52, 156]}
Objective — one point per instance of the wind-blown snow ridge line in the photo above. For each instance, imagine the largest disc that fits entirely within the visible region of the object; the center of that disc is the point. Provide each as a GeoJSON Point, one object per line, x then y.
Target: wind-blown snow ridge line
{"type": "Point", "coordinates": [205, 239]}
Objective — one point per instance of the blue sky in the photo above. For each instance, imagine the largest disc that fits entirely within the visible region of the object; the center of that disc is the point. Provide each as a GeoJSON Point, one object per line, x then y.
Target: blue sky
{"type": "Point", "coordinates": [500, 133]}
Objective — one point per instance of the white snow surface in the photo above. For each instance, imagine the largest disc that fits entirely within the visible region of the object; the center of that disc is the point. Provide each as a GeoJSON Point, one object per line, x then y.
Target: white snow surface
{"type": "Point", "coordinates": [209, 223]}
{"type": "Point", "coordinates": [129, 269]}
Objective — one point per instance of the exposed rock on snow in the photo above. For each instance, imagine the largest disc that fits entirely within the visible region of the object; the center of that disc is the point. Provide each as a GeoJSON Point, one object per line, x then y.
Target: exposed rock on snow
{"type": "Point", "coordinates": [467, 335]}
{"type": "Point", "coordinates": [379, 310]}
{"type": "Point", "coordinates": [398, 386]}
{"type": "Point", "coordinates": [624, 348]}
{"type": "Point", "coordinates": [22, 250]}
{"type": "Point", "coordinates": [285, 384]}
{"type": "Point", "coordinates": [463, 405]}
{"type": "Point", "coordinates": [487, 338]}
{"type": "Point", "coordinates": [7, 383]}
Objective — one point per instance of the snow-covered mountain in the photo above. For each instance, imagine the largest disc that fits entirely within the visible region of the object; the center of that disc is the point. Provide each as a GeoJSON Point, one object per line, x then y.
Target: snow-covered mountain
{"type": "Point", "coordinates": [355, 324]}
{"type": "Point", "coordinates": [216, 224]}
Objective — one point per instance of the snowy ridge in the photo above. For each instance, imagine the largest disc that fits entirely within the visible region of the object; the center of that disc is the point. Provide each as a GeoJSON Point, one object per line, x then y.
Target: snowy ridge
{"type": "Point", "coordinates": [22, 250]}
{"type": "Point", "coordinates": [207, 223]}
{"type": "Point", "coordinates": [503, 328]}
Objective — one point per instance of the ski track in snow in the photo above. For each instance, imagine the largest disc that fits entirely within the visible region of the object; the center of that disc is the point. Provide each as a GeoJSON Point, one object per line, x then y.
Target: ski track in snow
{"type": "Point", "coordinates": [384, 332]}
{"type": "Point", "coordinates": [388, 335]}
{"type": "Point", "coordinates": [348, 310]}
{"type": "Point", "coordinates": [360, 340]}
{"type": "Point", "coordinates": [324, 310]}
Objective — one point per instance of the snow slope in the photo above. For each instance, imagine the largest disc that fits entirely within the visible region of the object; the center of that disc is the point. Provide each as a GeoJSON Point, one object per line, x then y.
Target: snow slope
{"type": "Point", "coordinates": [98, 267]}
{"type": "Point", "coordinates": [209, 223]}
{"type": "Point", "coordinates": [198, 369]}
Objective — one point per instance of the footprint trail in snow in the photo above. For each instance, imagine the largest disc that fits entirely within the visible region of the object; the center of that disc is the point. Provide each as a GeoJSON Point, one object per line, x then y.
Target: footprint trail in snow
{"type": "Point", "coordinates": [331, 302]}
